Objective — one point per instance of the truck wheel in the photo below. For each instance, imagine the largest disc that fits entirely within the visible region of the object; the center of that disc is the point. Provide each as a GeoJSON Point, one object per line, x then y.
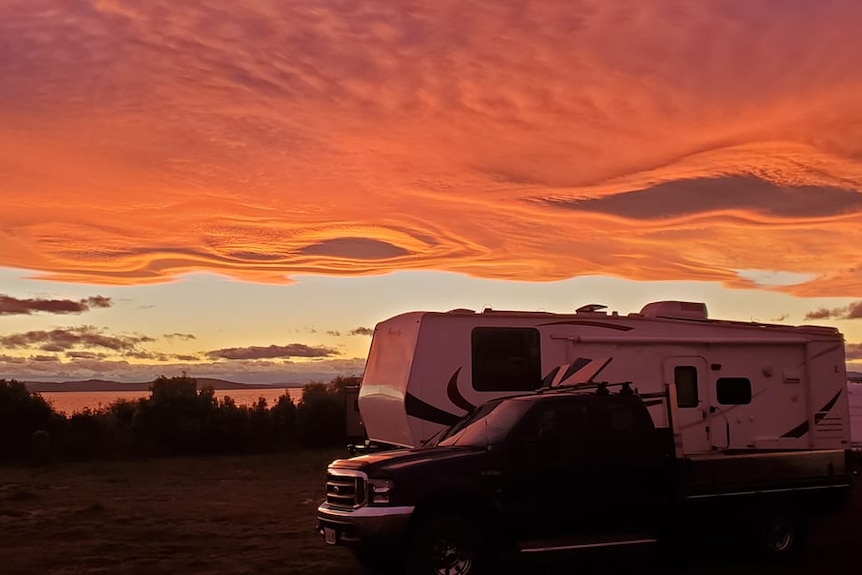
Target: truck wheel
{"type": "Point", "coordinates": [446, 544]}
{"type": "Point", "coordinates": [779, 532]}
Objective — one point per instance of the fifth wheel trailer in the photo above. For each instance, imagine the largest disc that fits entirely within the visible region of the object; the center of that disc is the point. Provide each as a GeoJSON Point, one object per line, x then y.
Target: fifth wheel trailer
{"type": "Point", "coordinates": [741, 387]}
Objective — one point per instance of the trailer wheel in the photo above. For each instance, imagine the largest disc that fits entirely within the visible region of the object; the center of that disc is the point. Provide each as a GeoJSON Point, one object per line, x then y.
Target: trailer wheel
{"type": "Point", "coordinates": [779, 532]}
{"type": "Point", "coordinates": [446, 544]}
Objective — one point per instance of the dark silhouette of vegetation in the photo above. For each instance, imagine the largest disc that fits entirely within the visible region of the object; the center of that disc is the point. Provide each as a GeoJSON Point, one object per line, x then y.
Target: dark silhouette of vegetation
{"type": "Point", "coordinates": [176, 419]}
{"type": "Point", "coordinates": [321, 413]}
{"type": "Point", "coordinates": [22, 414]}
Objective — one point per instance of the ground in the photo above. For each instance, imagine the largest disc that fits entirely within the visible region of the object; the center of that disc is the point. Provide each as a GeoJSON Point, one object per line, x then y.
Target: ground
{"type": "Point", "coordinates": [250, 515]}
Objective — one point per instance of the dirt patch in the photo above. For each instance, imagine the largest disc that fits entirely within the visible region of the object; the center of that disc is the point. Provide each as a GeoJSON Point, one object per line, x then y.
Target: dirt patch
{"type": "Point", "coordinates": [252, 515]}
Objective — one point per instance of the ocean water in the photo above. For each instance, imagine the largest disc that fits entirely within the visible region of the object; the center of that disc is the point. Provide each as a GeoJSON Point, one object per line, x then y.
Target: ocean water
{"type": "Point", "coordinates": [69, 402]}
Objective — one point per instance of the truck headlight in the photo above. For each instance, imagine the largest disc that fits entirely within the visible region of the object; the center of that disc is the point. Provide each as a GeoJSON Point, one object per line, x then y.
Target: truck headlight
{"type": "Point", "coordinates": [378, 490]}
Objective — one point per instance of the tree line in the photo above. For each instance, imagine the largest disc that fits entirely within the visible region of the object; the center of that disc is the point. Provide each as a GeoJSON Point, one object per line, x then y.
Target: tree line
{"type": "Point", "coordinates": [177, 418]}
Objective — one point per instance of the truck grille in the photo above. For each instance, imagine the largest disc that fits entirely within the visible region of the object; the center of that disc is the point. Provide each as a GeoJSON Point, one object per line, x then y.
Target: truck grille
{"type": "Point", "coordinates": [345, 490]}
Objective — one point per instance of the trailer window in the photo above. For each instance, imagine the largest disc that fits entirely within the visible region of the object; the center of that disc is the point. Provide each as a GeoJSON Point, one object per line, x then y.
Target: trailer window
{"type": "Point", "coordinates": [733, 390]}
{"type": "Point", "coordinates": [685, 379]}
{"type": "Point", "coordinates": [506, 359]}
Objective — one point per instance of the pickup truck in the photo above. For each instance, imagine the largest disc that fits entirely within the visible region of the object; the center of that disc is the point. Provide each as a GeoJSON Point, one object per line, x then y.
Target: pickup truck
{"type": "Point", "coordinates": [564, 469]}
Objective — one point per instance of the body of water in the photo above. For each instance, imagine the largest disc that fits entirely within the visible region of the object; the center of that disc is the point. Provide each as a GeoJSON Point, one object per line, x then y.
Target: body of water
{"type": "Point", "coordinates": [69, 402]}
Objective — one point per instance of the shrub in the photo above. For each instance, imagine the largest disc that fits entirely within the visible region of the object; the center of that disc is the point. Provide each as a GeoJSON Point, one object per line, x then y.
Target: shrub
{"type": "Point", "coordinates": [22, 413]}
{"type": "Point", "coordinates": [320, 415]}
{"type": "Point", "coordinates": [89, 434]}
{"type": "Point", "coordinates": [176, 419]}
{"type": "Point", "coordinates": [171, 420]}
{"type": "Point", "coordinates": [283, 415]}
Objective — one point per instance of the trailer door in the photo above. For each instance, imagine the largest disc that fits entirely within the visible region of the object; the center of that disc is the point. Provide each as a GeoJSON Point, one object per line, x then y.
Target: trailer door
{"type": "Point", "coordinates": [689, 376]}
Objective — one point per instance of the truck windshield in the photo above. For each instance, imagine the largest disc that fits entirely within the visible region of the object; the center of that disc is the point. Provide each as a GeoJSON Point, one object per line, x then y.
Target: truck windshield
{"type": "Point", "coordinates": [487, 425]}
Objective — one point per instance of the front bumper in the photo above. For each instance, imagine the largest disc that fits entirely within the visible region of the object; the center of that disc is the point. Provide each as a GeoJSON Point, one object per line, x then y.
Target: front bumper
{"type": "Point", "coordinates": [362, 524]}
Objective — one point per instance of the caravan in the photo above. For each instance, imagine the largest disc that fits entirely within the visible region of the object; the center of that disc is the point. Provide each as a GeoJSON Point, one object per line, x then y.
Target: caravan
{"type": "Point", "coordinates": [739, 386]}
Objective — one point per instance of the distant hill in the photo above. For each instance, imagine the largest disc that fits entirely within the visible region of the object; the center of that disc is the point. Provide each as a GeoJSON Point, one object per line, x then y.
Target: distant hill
{"type": "Point", "coordinates": [108, 385]}
{"type": "Point", "coordinates": [854, 376]}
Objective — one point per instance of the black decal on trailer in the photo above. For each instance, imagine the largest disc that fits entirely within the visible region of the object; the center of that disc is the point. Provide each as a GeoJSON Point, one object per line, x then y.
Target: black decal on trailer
{"type": "Point", "coordinates": [826, 351]}
{"type": "Point", "coordinates": [455, 394]}
{"type": "Point", "coordinates": [822, 413]}
{"type": "Point", "coordinates": [802, 428]}
{"type": "Point", "coordinates": [554, 378]}
{"type": "Point", "coordinates": [591, 323]}
{"type": "Point", "coordinates": [798, 431]}
{"type": "Point", "coordinates": [575, 367]}
{"type": "Point", "coordinates": [601, 369]}
{"type": "Point", "coordinates": [652, 402]}
{"type": "Point", "coordinates": [418, 408]}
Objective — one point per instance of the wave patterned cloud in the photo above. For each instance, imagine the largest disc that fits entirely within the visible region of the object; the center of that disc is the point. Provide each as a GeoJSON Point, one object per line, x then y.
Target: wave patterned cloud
{"type": "Point", "coordinates": [662, 140]}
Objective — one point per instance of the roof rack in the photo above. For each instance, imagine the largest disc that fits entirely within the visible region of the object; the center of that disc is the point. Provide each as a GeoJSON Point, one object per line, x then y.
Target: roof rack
{"type": "Point", "coordinates": [601, 388]}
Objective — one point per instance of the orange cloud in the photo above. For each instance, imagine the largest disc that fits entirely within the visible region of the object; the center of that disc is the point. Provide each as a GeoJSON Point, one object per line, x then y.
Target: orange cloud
{"type": "Point", "coordinates": [528, 141]}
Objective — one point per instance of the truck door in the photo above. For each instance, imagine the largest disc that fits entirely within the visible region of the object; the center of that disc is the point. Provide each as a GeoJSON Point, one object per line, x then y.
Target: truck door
{"type": "Point", "coordinates": [550, 487]}
{"type": "Point", "coordinates": [689, 375]}
{"type": "Point", "coordinates": [629, 471]}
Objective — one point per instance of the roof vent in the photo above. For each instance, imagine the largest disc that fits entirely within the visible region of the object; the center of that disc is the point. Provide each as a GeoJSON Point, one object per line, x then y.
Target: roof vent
{"type": "Point", "coordinates": [675, 310]}
{"type": "Point", "coordinates": [590, 308]}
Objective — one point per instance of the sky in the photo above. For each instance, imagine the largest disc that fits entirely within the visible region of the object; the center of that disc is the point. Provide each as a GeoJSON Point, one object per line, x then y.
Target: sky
{"type": "Point", "coordinates": [244, 189]}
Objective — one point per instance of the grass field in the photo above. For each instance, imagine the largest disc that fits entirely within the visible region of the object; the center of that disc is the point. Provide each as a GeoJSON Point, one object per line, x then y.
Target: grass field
{"type": "Point", "coordinates": [207, 515]}
{"type": "Point", "coordinates": [235, 515]}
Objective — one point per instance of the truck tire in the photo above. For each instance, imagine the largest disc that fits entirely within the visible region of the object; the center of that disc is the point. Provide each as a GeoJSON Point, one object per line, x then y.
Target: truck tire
{"type": "Point", "coordinates": [446, 544]}
{"type": "Point", "coordinates": [779, 532]}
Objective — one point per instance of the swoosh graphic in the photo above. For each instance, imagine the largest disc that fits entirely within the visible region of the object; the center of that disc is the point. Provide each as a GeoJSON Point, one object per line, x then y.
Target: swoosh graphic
{"type": "Point", "coordinates": [418, 408]}
{"type": "Point", "coordinates": [455, 394]}
{"type": "Point", "coordinates": [802, 428]}
{"type": "Point", "coordinates": [581, 367]}
{"type": "Point", "coordinates": [823, 412]}
{"type": "Point", "coordinates": [575, 366]}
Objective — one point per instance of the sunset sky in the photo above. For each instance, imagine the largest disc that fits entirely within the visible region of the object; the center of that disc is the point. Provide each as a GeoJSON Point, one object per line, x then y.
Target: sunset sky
{"type": "Point", "coordinates": [243, 189]}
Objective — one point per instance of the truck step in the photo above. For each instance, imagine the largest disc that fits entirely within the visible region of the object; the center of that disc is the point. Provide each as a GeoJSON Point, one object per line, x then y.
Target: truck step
{"type": "Point", "coordinates": [593, 542]}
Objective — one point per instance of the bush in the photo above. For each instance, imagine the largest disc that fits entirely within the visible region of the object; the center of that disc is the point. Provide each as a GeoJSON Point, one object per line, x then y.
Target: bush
{"type": "Point", "coordinates": [22, 414]}
{"type": "Point", "coordinates": [321, 416]}
{"type": "Point", "coordinates": [172, 420]}
{"type": "Point", "coordinates": [284, 422]}
{"type": "Point", "coordinates": [89, 434]}
{"type": "Point", "coordinates": [176, 419]}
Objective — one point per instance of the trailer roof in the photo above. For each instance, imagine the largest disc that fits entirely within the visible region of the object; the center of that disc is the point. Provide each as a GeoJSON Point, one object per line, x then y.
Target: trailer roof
{"type": "Point", "coordinates": [681, 313]}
